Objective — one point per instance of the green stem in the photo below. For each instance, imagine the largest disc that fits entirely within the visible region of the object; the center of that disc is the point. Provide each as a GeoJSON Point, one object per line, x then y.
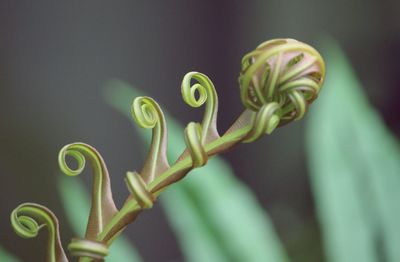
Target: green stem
{"type": "Point", "coordinates": [118, 222]}
{"type": "Point", "coordinates": [211, 149]}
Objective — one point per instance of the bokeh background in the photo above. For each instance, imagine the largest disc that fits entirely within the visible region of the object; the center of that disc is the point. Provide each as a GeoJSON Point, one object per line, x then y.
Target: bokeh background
{"type": "Point", "coordinates": [56, 58]}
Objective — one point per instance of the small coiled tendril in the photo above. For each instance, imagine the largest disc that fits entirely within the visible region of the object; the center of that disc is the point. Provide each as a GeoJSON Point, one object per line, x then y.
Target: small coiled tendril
{"type": "Point", "coordinates": [139, 190]}
{"type": "Point", "coordinates": [265, 121]}
{"type": "Point", "coordinates": [195, 146]}
{"type": "Point", "coordinates": [148, 114]}
{"type": "Point", "coordinates": [88, 248]}
{"type": "Point", "coordinates": [27, 220]}
{"type": "Point", "coordinates": [103, 207]}
{"type": "Point", "coordinates": [282, 71]}
{"type": "Point", "coordinates": [205, 90]}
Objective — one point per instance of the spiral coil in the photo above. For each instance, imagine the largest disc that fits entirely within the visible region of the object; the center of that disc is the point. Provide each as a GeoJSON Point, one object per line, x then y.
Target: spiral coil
{"type": "Point", "coordinates": [282, 71]}
{"type": "Point", "coordinates": [103, 207]}
{"type": "Point", "coordinates": [148, 114]}
{"type": "Point", "coordinates": [139, 191]}
{"type": "Point", "coordinates": [88, 248]}
{"type": "Point", "coordinates": [29, 218]}
{"type": "Point", "coordinates": [195, 145]}
{"type": "Point", "coordinates": [207, 95]}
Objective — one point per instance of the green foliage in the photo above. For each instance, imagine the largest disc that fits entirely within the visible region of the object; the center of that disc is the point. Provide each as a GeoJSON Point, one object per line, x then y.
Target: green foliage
{"type": "Point", "coordinates": [355, 167]}
{"type": "Point", "coordinates": [214, 216]}
{"type": "Point", "coordinates": [5, 256]}
{"type": "Point", "coordinates": [76, 201]}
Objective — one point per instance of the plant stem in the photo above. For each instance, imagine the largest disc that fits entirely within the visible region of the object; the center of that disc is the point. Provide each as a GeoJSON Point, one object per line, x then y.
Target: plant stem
{"type": "Point", "coordinates": [131, 208]}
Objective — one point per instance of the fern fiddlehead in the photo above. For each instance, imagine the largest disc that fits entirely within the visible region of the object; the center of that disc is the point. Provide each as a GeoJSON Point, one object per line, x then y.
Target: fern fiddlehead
{"type": "Point", "coordinates": [279, 79]}
{"type": "Point", "coordinates": [278, 82]}
{"type": "Point", "coordinates": [27, 220]}
{"type": "Point", "coordinates": [103, 207]}
{"type": "Point", "coordinates": [148, 114]}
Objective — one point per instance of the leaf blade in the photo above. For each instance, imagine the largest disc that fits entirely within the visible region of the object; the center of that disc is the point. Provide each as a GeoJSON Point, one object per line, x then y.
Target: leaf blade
{"type": "Point", "coordinates": [6, 256]}
{"type": "Point", "coordinates": [354, 163]}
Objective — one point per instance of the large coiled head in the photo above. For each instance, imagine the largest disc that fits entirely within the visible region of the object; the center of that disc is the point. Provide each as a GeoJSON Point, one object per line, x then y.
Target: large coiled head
{"type": "Point", "coordinates": [282, 71]}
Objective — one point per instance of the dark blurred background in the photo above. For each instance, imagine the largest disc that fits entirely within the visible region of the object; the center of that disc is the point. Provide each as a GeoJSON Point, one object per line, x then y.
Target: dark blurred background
{"type": "Point", "coordinates": [56, 57]}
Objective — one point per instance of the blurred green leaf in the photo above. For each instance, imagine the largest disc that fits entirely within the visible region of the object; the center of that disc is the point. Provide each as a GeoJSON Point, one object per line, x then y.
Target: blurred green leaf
{"type": "Point", "coordinates": [215, 217]}
{"type": "Point", "coordinates": [355, 169]}
{"type": "Point", "coordinates": [5, 256]}
{"type": "Point", "coordinates": [76, 202]}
